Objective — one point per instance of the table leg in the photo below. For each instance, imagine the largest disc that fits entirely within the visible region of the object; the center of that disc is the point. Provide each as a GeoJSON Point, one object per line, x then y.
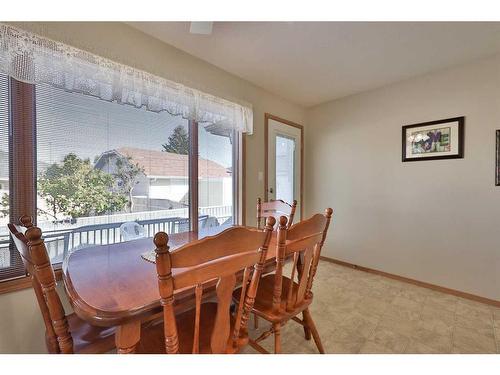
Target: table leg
{"type": "Point", "coordinates": [127, 336]}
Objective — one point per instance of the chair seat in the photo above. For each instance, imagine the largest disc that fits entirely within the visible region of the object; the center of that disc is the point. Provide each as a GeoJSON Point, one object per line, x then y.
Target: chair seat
{"type": "Point", "coordinates": [153, 338]}
{"type": "Point", "coordinates": [263, 305]}
{"type": "Point", "coordinates": [88, 339]}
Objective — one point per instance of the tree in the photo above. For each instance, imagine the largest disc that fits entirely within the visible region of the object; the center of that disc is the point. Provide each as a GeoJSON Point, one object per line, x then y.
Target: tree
{"type": "Point", "coordinates": [178, 142]}
{"type": "Point", "coordinates": [75, 188]}
{"type": "Point", "coordinates": [4, 205]}
{"type": "Point", "coordinates": [127, 172]}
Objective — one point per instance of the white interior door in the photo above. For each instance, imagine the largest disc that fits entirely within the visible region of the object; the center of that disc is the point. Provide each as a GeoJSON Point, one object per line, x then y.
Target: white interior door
{"type": "Point", "coordinates": [284, 158]}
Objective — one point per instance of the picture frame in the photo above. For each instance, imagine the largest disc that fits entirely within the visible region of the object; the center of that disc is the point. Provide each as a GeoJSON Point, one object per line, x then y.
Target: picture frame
{"type": "Point", "coordinates": [434, 140]}
{"type": "Point", "coordinates": [497, 159]}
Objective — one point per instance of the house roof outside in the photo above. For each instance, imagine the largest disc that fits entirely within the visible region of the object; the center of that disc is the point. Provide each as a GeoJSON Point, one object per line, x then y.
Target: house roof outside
{"type": "Point", "coordinates": [168, 164]}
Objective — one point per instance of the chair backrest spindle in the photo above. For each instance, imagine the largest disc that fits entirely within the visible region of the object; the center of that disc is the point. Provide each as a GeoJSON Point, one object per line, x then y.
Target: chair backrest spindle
{"type": "Point", "coordinates": [198, 292]}
{"type": "Point", "coordinates": [244, 286]}
{"type": "Point", "coordinates": [280, 261]}
{"type": "Point", "coordinates": [166, 286]}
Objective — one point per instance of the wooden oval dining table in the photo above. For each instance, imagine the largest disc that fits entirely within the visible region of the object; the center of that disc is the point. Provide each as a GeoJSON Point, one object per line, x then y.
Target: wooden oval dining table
{"type": "Point", "coordinates": [113, 285]}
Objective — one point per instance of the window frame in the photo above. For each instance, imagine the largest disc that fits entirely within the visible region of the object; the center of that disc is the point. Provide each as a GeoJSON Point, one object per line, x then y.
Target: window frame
{"type": "Point", "coordinates": [23, 172]}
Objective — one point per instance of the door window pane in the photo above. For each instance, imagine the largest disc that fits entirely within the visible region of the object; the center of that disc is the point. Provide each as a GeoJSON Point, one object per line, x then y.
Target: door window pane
{"type": "Point", "coordinates": [215, 177]}
{"type": "Point", "coordinates": [107, 172]}
{"type": "Point", "coordinates": [285, 176]}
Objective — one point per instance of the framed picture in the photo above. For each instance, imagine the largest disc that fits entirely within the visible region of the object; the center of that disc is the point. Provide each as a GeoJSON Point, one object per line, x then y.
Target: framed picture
{"type": "Point", "coordinates": [433, 140]}
{"type": "Point", "coordinates": [497, 160]}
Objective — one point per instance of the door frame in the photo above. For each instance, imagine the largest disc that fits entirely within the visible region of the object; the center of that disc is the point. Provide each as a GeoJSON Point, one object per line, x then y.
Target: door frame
{"type": "Point", "coordinates": [267, 117]}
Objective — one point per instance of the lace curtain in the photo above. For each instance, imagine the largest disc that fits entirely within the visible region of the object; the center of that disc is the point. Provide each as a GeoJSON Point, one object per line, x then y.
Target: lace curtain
{"type": "Point", "coordinates": [33, 59]}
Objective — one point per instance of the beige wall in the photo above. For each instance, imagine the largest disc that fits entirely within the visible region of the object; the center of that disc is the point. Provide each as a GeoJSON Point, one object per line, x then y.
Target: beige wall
{"type": "Point", "coordinates": [21, 324]}
{"type": "Point", "coordinates": [129, 46]}
{"type": "Point", "coordinates": [434, 221]}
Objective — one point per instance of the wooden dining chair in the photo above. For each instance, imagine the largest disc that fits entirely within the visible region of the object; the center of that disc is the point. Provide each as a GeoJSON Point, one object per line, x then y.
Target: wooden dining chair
{"type": "Point", "coordinates": [275, 208]}
{"type": "Point", "coordinates": [280, 298]}
{"type": "Point", "coordinates": [63, 333]}
{"type": "Point", "coordinates": [209, 327]}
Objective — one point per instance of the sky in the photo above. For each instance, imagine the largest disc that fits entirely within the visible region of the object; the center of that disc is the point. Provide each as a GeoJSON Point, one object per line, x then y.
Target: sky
{"type": "Point", "coordinates": [71, 122]}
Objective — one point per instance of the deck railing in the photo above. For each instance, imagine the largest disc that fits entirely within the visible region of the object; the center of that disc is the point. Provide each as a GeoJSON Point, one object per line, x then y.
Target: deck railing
{"type": "Point", "coordinates": [60, 243]}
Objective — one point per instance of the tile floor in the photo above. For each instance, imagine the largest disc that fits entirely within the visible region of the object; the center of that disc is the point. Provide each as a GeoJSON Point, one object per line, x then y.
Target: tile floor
{"type": "Point", "coordinates": [359, 312]}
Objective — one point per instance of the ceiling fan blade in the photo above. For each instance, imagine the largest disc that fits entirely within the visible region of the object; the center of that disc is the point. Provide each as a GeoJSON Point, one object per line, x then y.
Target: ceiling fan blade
{"type": "Point", "coordinates": [204, 28]}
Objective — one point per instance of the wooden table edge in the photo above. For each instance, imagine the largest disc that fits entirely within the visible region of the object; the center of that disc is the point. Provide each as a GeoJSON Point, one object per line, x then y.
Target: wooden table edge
{"type": "Point", "coordinates": [102, 318]}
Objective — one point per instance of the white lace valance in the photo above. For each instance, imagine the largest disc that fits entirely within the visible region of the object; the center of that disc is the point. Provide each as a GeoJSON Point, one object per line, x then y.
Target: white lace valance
{"type": "Point", "coordinates": [34, 59]}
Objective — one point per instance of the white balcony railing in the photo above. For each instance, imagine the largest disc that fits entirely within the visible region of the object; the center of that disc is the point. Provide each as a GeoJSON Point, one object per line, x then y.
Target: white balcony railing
{"type": "Point", "coordinates": [66, 237]}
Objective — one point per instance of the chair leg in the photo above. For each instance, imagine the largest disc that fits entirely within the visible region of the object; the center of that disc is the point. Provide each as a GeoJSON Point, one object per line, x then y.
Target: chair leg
{"type": "Point", "coordinates": [277, 338]}
{"type": "Point", "coordinates": [307, 331]}
{"type": "Point", "coordinates": [255, 321]}
{"type": "Point", "coordinates": [257, 347]}
{"type": "Point", "coordinates": [310, 323]}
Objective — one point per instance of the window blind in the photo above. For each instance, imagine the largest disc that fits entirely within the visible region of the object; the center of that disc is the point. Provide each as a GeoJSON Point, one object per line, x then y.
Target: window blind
{"type": "Point", "coordinates": [10, 262]}
{"type": "Point", "coordinates": [107, 172]}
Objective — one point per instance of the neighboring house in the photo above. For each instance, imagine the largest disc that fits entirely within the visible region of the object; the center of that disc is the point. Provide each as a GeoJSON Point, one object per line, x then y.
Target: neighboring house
{"type": "Point", "coordinates": [164, 183]}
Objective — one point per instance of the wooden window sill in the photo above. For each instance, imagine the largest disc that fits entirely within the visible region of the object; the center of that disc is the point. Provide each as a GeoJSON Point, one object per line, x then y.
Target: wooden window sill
{"type": "Point", "coordinates": [24, 282]}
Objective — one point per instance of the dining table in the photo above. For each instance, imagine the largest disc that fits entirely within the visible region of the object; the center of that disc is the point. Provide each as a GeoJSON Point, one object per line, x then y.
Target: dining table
{"type": "Point", "coordinates": [115, 285]}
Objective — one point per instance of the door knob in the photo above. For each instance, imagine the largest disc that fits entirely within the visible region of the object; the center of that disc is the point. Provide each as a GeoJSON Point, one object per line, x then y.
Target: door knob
{"type": "Point", "coordinates": [271, 190]}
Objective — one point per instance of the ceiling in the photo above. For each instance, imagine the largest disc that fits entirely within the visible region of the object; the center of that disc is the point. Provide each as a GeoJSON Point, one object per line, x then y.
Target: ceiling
{"type": "Point", "coordinates": [310, 63]}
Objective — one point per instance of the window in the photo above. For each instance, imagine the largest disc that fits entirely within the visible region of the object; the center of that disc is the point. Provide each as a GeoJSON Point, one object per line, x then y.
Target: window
{"type": "Point", "coordinates": [101, 164]}
{"type": "Point", "coordinates": [285, 176]}
{"type": "Point", "coordinates": [106, 172]}
{"type": "Point", "coordinates": [215, 176]}
{"type": "Point", "coordinates": [5, 253]}
{"type": "Point", "coordinates": [98, 152]}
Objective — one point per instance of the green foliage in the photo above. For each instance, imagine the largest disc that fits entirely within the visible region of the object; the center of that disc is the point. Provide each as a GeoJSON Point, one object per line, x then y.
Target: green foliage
{"type": "Point", "coordinates": [178, 142]}
{"type": "Point", "coordinates": [127, 172]}
{"type": "Point", "coordinates": [75, 188]}
{"type": "Point", "coordinates": [4, 205]}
